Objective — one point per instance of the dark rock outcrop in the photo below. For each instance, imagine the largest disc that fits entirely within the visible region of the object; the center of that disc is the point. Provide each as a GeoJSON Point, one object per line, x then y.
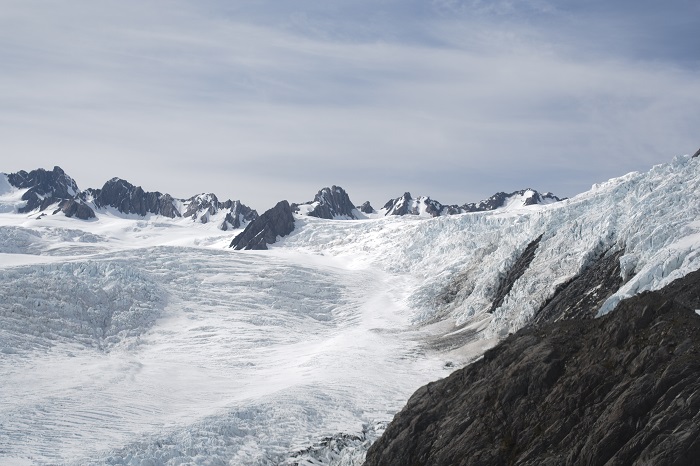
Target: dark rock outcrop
{"type": "Point", "coordinates": [515, 272]}
{"type": "Point", "coordinates": [76, 208]}
{"type": "Point", "coordinates": [46, 188]}
{"type": "Point", "coordinates": [696, 154]}
{"type": "Point", "coordinates": [329, 203]}
{"type": "Point", "coordinates": [582, 296]}
{"type": "Point", "coordinates": [130, 199]}
{"type": "Point", "coordinates": [366, 208]}
{"type": "Point", "coordinates": [278, 221]}
{"type": "Point", "coordinates": [619, 390]}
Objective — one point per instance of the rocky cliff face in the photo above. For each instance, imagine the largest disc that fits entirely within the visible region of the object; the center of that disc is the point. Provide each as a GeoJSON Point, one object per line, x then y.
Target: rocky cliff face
{"type": "Point", "coordinates": [329, 203]}
{"type": "Point", "coordinates": [47, 188]}
{"type": "Point", "coordinates": [619, 390]}
{"type": "Point", "coordinates": [278, 221]}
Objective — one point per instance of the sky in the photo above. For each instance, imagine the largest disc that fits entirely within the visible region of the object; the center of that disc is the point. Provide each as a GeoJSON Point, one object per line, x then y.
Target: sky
{"type": "Point", "coordinates": [260, 100]}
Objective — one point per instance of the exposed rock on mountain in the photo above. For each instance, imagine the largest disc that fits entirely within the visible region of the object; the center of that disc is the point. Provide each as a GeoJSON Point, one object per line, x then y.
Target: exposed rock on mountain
{"type": "Point", "coordinates": [424, 206]}
{"type": "Point", "coordinates": [76, 208]}
{"type": "Point", "coordinates": [47, 188]}
{"type": "Point", "coordinates": [406, 205]}
{"type": "Point", "coordinates": [278, 221]}
{"type": "Point", "coordinates": [524, 197]}
{"type": "Point", "coordinates": [621, 389]}
{"type": "Point", "coordinates": [130, 199]}
{"type": "Point", "coordinates": [515, 272]}
{"type": "Point", "coordinates": [330, 203]}
{"type": "Point", "coordinates": [203, 206]}
{"type": "Point", "coordinates": [582, 296]}
{"type": "Point", "coordinates": [366, 208]}
{"type": "Point", "coordinates": [55, 188]}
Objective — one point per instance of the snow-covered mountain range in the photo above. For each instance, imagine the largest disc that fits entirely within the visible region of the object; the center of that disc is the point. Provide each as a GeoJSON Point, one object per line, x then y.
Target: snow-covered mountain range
{"type": "Point", "coordinates": [42, 191]}
{"type": "Point", "coordinates": [426, 207]}
{"type": "Point", "coordinates": [140, 336]}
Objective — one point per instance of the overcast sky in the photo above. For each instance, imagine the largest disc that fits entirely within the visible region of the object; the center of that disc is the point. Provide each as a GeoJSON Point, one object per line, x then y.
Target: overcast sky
{"type": "Point", "coordinates": [266, 100]}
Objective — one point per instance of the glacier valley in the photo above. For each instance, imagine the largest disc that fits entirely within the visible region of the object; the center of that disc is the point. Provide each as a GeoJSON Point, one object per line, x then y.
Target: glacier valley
{"type": "Point", "coordinates": [131, 340]}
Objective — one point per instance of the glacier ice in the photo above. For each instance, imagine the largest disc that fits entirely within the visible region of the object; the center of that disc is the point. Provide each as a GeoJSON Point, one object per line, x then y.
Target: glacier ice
{"type": "Point", "coordinates": [147, 341]}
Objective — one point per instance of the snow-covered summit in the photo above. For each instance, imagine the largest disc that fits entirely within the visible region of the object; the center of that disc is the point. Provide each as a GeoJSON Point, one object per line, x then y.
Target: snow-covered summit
{"type": "Point", "coordinates": [516, 199]}
{"type": "Point", "coordinates": [424, 206]}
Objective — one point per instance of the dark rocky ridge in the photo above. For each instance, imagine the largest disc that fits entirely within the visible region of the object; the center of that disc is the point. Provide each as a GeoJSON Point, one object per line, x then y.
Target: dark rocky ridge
{"type": "Point", "coordinates": [56, 188]}
{"type": "Point", "coordinates": [619, 390]}
{"type": "Point", "coordinates": [516, 271]}
{"type": "Point", "coordinates": [47, 188]}
{"type": "Point", "coordinates": [278, 221]}
{"type": "Point", "coordinates": [329, 203]}
{"type": "Point", "coordinates": [130, 199]}
{"type": "Point", "coordinates": [582, 296]}
{"type": "Point", "coordinates": [407, 205]}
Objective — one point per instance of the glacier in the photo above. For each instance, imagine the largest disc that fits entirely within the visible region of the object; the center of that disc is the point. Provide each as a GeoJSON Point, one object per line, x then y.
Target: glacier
{"type": "Point", "coordinates": [147, 341]}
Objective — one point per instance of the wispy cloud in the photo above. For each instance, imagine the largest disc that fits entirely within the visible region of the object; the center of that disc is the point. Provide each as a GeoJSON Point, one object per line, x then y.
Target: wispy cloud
{"type": "Point", "coordinates": [260, 103]}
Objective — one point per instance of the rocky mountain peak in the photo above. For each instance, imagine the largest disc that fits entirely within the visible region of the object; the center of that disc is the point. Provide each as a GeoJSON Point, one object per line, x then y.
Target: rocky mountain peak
{"type": "Point", "coordinates": [130, 199]}
{"type": "Point", "coordinates": [366, 208]}
{"type": "Point", "coordinates": [50, 188]}
{"type": "Point", "coordinates": [264, 230]}
{"type": "Point", "coordinates": [329, 203]}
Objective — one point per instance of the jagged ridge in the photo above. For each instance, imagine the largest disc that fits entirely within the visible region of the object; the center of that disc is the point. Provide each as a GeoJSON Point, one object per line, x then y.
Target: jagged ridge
{"type": "Point", "coordinates": [49, 188]}
{"type": "Point", "coordinates": [425, 206]}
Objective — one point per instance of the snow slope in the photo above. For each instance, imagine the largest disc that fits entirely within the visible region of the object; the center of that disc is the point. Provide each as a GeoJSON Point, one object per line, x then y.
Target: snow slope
{"type": "Point", "coordinates": [146, 341]}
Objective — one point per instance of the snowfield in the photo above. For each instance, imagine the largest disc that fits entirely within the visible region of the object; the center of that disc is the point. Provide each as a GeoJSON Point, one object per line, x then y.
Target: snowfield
{"type": "Point", "coordinates": [145, 341]}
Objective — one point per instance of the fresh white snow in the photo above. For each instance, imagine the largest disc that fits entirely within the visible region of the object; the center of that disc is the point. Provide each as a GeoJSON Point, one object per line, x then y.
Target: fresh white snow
{"type": "Point", "coordinates": [146, 341]}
